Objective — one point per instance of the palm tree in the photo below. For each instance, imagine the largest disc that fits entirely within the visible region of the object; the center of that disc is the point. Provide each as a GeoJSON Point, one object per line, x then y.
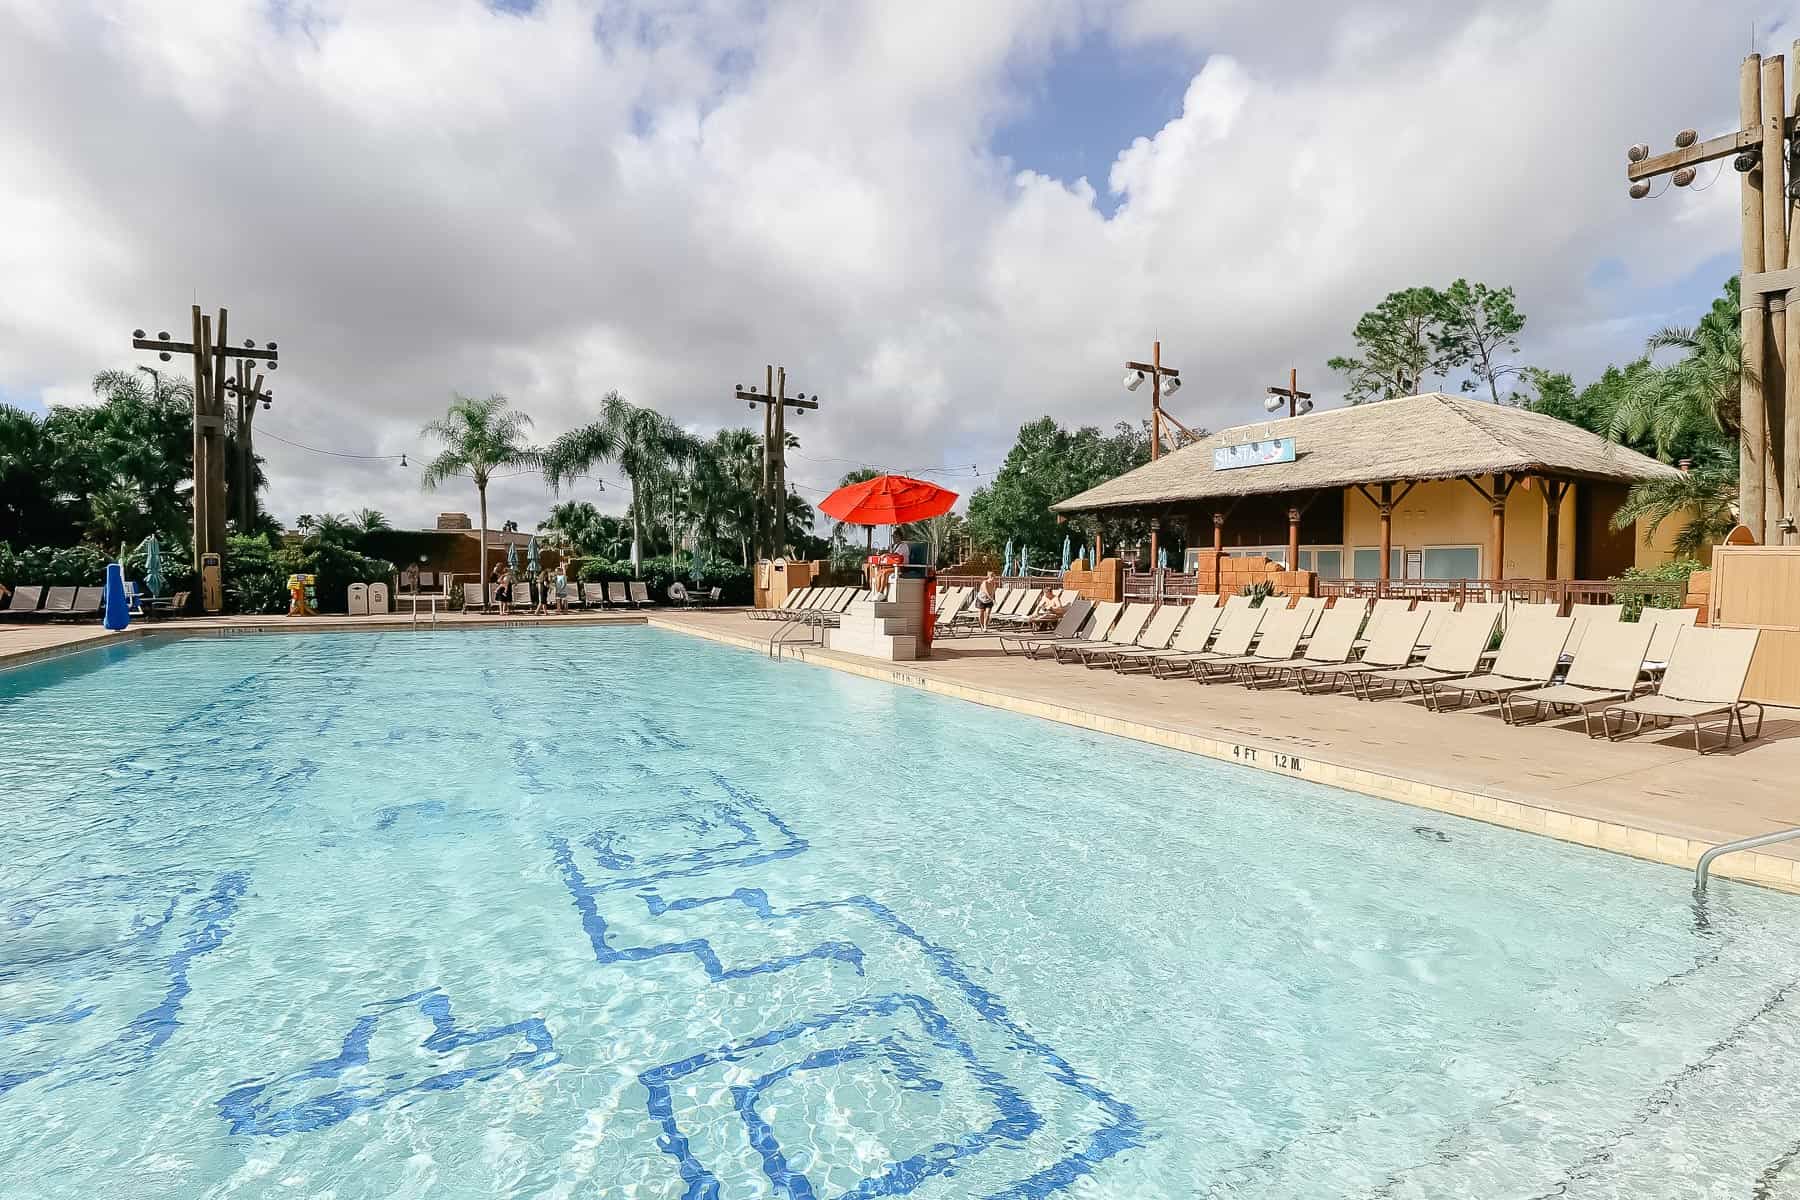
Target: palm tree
{"type": "Point", "coordinates": [479, 438]}
{"type": "Point", "coordinates": [939, 532]}
{"type": "Point", "coordinates": [648, 447]}
{"type": "Point", "coordinates": [1695, 397]}
{"type": "Point", "coordinates": [369, 520]}
{"type": "Point", "coordinates": [860, 475]}
{"type": "Point", "coordinates": [1706, 494]}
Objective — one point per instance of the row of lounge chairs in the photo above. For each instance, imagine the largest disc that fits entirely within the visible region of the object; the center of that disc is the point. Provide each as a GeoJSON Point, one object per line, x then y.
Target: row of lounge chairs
{"type": "Point", "coordinates": [33, 602]}
{"type": "Point", "coordinates": [617, 594]}
{"type": "Point", "coordinates": [1655, 671]}
{"type": "Point", "coordinates": [813, 605]}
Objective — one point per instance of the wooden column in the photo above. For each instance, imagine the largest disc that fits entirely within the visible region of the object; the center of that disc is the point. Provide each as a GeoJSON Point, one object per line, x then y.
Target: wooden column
{"type": "Point", "coordinates": [1293, 562]}
{"type": "Point", "coordinates": [1096, 548]}
{"type": "Point", "coordinates": [1752, 430]}
{"type": "Point", "coordinates": [1218, 549]}
{"type": "Point", "coordinates": [1790, 442]}
{"type": "Point", "coordinates": [1387, 532]}
{"type": "Point", "coordinates": [1775, 253]}
{"type": "Point", "coordinates": [1554, 491]}
{"type": "Point", "coordinates": [202, 378]}
{"type": "Point", "coordinates": [1502, 486]}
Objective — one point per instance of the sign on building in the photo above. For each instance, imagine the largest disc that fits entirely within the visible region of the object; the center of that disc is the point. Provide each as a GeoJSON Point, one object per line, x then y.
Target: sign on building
{"type": "Point", "coordinates": [1254, 454]}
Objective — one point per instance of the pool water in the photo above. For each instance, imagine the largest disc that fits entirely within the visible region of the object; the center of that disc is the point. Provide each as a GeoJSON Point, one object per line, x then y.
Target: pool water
{"type": "Point", "coordinates": [620, 913]}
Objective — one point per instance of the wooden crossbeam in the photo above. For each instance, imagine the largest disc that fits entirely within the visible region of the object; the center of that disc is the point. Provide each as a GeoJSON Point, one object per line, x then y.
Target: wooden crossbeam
{"type": "Point", "coordinates": [1763, 283]}
{"type": "Point", "coordinates": [220, 352]}
{"type": "Point", "coordinates": [761, 398]}
{"type": "Point", "coordinates": [1700, 152]}
{"type": "Point", "coordinates": [1168, 372]}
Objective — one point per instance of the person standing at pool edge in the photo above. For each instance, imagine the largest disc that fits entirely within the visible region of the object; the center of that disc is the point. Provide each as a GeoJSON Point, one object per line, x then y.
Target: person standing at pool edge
{"type": "Point", "coordinates": [984, 597]}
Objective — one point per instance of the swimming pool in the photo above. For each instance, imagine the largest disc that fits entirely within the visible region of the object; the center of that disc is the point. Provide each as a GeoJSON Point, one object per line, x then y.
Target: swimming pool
{"type": "Point", "coordinates": [606, 912]}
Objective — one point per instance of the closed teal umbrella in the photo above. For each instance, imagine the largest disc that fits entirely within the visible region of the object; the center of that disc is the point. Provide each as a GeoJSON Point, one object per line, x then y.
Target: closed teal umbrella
{"type": "Point", "coordinates": [1007, 569]}
{"type": "Point", "coordinates": [1066, 559]}
{"type": "Point", "coordinates": [1025, 560]}
{"type": "Point", "coordinates": [153, 576]}
{"type": "Point", "coordinates": [1162, 558]}
{"type": "Point", "coordinates": [699, 567]}
{"type": "Point", "coordinates": [531, 555]}
{"type": "Point", "coordinates": [512, 557]}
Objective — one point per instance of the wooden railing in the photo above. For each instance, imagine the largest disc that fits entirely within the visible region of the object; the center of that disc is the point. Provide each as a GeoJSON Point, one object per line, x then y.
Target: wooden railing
{"type": "Point", "coordinates": [1006, 581]}
{"type": "Point", "coordinates": [1560, 592]}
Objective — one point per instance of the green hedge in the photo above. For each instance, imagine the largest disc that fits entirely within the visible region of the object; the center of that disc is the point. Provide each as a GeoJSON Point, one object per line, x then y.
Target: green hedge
{"type": "Point", "coordinates": [85, 566]}
{"type": "Point", "coordinates": [660, 572]}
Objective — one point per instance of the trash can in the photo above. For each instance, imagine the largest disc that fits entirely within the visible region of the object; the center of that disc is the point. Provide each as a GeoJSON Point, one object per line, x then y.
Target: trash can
{"type": "Point", "coordinates": [378, 598]}
{"type": "Point", "coordinates": [357, 603]}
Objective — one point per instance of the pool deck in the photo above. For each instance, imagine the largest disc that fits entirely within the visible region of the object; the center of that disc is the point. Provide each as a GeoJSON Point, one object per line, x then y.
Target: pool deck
{"type": "Point", "coordinates": [1651, 797]}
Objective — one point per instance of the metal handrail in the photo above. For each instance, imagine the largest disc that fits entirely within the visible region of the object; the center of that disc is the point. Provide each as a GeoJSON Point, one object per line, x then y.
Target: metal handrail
{"type": "Point", "coordinates": [1706, 860]}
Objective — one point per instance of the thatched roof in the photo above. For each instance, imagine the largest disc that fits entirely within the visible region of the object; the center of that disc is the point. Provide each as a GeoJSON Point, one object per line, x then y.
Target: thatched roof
{"type": "Point", "coordinates": [1432, 436]}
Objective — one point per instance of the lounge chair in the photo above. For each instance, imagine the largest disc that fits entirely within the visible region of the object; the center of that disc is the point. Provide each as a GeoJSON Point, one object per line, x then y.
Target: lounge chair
{"type": "Point", "coordinates": [1124, 632]}
{"type": "Point", "coordinates": [1314, 608]}
{"type": "Point", "coordinates": [1238, 600]}
{"type": "Point", "coordinates": [88, 602]}
{"type": "Point", "coordinates": [23, 605]}
{"type": "Point", "coordinates": [789, 603]}
{"type": "Point", "coordinates": [1455, 654]}
{"type": "Point", "coordinates": [1205, 600]}
{"type": "Point", "coordinates": [1528, 658]}
{"type": "Point", "coordinates": [1068, 629]}
{"type": "Point", "coordinates": [593, 595]}
{"type": "Point", "coordinates": [1232, 636]}
{"type": "Point", "coordinates": [640, 594]}
{"type": "Point", "coordinates": [58, 602]}
{"type": "Point", "coordinates": [1025, 612]}
{"type": "Point", "coordinates": [475, 597]}
{"type": "Point", "coordinates": [616, 596]}
{"type": "Point", "coordinates": [1278, 643]}
{"type": "Point", "coordinates": [172, 606]}
{"type": "Point", "coordinates": [1667, 624]}
{"type": "Point", "coordinates": [1391, 649]}
{"type": "Point", "coordinates": [1154, 636]}
{"type": "Point", "coordinates": [1705, 679]}
{"type": "Point", "coordinates": [1196, 630]}
{"type": "Point", "coordinates": [1585, 615]}
{"type": "Point", "coordinates": [1435, 611]}
{"type": "Point", "coordinates": [1383, 608]}
{"type": "Point", "coordinates": [1606, 670]}
{"type": "Point", "coordinates": [1331, 643]}
{"type": "Point", "coordinates": [1100, 621]}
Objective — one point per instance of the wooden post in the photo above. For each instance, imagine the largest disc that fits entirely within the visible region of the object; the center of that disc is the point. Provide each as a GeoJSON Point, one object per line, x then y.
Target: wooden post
{"type": "Point", "coordinates": [1554, 492]}
{"type": "Point", "coordinates": [1775, 253]}
{"type": "Point", "coordinates": [202, 375]}
{"type": "Point", "coordinates": [1293, 549]}
{"type": "Point", "coordinates": [1387, 533]}
{"type": "Point", "coordinates": [1218, 550]}
{"type": "Point", "coordinates": [1155, 409]}
{"type": "Point", "coordinates": [1790, 498]}
{"type": "Point", "coordinates": [1096, 548]}
{"type": "Point", "coordinates": [780, 407]}
{"type": "Point", "coordinates": [1497, 568]}
{"type": "Point", "coordinates": [1753, 430]}
{"type": "Point", "coordinates": [767, 547]}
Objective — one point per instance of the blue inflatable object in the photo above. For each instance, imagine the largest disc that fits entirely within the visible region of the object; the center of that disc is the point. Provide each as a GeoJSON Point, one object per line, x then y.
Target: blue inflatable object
{"type": "Point", "coordinates": [118, 609]}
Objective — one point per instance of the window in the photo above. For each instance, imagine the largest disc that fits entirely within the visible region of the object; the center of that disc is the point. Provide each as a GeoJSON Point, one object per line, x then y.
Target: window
{"type": "Point", "coordinates": [1365, 562]}
{"type": "Point", "coordinates": [1451, 562]}
{"type": "Point", "coordinates": [1329, 564]}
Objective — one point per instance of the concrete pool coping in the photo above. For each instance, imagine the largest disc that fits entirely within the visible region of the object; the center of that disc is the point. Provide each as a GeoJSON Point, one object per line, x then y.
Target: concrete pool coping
{"type": "Point", "coordinates": [1647, 798]}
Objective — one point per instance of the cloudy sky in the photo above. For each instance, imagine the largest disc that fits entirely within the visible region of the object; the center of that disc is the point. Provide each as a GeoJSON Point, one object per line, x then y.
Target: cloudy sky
{"type": "Point", "coordinates": [944, 217]}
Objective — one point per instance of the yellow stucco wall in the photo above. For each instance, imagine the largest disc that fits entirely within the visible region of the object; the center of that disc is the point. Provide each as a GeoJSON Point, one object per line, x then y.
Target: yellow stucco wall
{"type": "Point", "coordinates": [1661, 546]}
{"type": "Point", "coordinates": [1450, 513]}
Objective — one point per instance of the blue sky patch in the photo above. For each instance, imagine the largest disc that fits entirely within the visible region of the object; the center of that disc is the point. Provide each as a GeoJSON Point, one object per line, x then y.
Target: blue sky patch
{"type": "Point", "coordinates": [1094, 99]}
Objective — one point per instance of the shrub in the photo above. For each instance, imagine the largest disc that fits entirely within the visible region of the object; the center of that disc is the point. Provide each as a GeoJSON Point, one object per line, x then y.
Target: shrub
{"type": "Point", "coordinates": [1258, 592]}
{"type": "Point", "coordinates": [659, 573]}
{"type": "Point", "coordinates": [1674, 571]}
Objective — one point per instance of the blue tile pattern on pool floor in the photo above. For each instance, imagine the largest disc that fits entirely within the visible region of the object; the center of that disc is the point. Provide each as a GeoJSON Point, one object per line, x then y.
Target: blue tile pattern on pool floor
{"type": "Point", "coordinates": [571, 913]}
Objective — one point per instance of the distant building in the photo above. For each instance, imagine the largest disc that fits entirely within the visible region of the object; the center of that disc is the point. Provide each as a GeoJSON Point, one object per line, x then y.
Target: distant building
{"type": "Point", "coordinates": [1472, 491]}
{"type": "Point", "coordinates": [454, 546]}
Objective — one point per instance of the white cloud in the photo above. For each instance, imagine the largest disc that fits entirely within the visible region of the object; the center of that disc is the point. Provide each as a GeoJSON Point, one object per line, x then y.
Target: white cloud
{"type": "Point", "coordinates": [419, 195]}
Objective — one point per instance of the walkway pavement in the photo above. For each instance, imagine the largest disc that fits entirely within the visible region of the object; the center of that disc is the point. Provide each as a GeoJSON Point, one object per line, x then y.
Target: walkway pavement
{"type": "Point", "coordinates": [1651, 797]}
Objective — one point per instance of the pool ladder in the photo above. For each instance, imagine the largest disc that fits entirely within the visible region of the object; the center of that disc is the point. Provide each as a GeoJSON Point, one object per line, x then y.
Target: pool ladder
{"type": "Point", "coordinates": [1706, 860]}
{"type": "Point", "coordinates": [815, 633]}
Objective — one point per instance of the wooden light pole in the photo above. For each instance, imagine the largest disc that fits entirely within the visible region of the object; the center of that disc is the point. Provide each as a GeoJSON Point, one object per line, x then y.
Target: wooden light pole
{"type": "Point", "coordinates": [1292, 394]}
{"type": "Point", "coordinates": [248, 393]}
{"type": "Point", "coordinates": [1163, 379]}
{"type": "Point", "coordinates": [209, 354]}
{"type": "Point", "coordinates": [1769, 385]}
{"type": "Point", "coordinates": [772, 526]}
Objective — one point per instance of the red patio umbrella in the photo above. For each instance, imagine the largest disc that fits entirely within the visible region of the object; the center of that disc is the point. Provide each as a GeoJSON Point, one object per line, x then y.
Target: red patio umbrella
{"type": "Point", "coordinates": [888, 500]}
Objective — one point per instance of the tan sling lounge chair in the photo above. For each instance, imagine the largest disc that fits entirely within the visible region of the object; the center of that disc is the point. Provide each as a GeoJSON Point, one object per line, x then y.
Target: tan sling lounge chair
{"type": "Point", "coordinates": [1528, 659]}
{"type": "Point", "coordinates": [1391, 649]}
{"type": "Point", "coordinates": [1232, 635]}
{"type": "Point", "coordinates": [1155, 636]}
{"type": "Point", "coordinates": [1068, 629]}
{"type": "Point", "coordinates": [1191, 634]}
{"type": "Point", "coordinates": [1279, 642]}
{"type": "Point", "coordinates": [1330, 644]}
{"type": "Point", "coordinates": [1102, 618]}
{"type": "Point", "coordinates": [1605, 670]}
{"type": "Point", "coordinates": [1705, 679]}
{"type": "Point", "coordinates": [1124, 632]}
{"type": "Point", "coordinates": [1455, 654]}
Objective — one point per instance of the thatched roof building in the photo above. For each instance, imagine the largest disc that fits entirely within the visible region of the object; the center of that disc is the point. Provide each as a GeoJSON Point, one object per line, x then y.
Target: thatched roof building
{"type": "Point", "coordinates": [1432, 436]}
{"type": "Point", "coordinates": [1435, 471]}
